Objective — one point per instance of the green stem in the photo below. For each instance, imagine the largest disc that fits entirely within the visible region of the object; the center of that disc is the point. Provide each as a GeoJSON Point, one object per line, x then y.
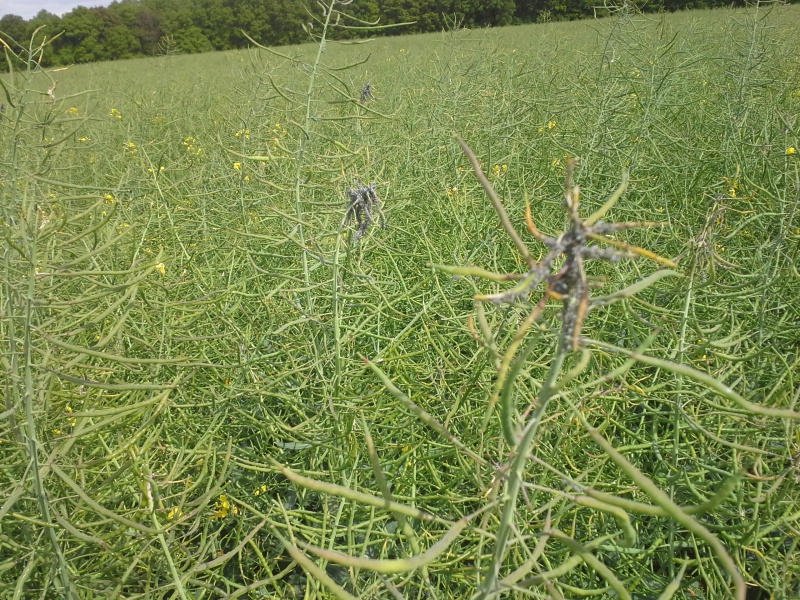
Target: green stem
{"type": "Point", "coordinates": [180, 590]}
{"type": "Point", "coordinates": [337, 330]}
{"type": "Point", "coordinates": [676, 416]}
{"type": "Point", "coordinates": [517, 472]}
{"type": "Point", "coordinates": [27, 235]}
{"type": "Point", "coordinates": [676, 512]}
{"type": "Point", "coordinates": [305, 135]}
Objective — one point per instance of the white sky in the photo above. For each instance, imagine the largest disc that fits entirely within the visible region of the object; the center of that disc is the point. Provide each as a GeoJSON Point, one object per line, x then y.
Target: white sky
{"type": "Point", "coordinates": [28, 8]}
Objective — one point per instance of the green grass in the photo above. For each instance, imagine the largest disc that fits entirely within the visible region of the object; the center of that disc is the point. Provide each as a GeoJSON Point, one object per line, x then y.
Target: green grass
{"type": "Point", "coordinates": [185, 326]}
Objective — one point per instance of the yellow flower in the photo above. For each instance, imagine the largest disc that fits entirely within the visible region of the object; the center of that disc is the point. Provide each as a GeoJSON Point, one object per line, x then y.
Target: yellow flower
{"type": "Point", "coordinates": [192, 147]}
{"type": "Point", "coordinates": [499, 170]}
{"type": "Point", "coordinates": [114, 114]}
{"type": "Point", "coordinates": [237, 166]}
{"type": "Point", "coordinates": [791, 150]}
{"type": "Point", "coordinates": [161, 269]}
{"type": "Point", "coordinates": [109, 199]}
{"type": "Point", "coordinates": [72, 111]}
{"type": "Point", "coordinates": [71, 420]}
{"type": "Point", "coordinates": [84, 139]}
{"type": "Point", "coordinates": [130, 147]}
{"type": "Point", "coordinates": [551, 124]}
{"type": "Point", "coordinates": [245, 133]}
{"type": "Point", "coordinates": [222, 507]}
{"type": "Point", "coordinates": [174, 513]}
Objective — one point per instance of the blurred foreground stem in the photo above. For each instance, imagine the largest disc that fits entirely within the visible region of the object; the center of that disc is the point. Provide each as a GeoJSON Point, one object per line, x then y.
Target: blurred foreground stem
{"type": "Point", "coordinates": [517, 471]}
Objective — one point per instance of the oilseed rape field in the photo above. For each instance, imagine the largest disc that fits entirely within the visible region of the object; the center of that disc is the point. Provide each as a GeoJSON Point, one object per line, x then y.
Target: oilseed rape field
{"type": "Point", "coordinates": [477, 314]}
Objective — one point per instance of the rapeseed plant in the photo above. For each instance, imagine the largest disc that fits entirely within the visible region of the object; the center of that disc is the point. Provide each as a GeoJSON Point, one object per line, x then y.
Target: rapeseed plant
{"type": "Point", "coordinates": [568, 283]}
{"type": "Point", "coordinates": [71, 420]}
{"type": "Point", "coordinates": [223, 507]}
{"type": "Point", "coordinates": [565, 281]}
{"type": "Point", "coordinates": [192, 146]}
{"type": "Point", "coordinates": [366, 94]}
{"type": "Point", "coordinates": [550, 126]}
{"type": "Point", "coordinates": [363, 199]}
{"type": "Point", "coordinates": [499, 170]}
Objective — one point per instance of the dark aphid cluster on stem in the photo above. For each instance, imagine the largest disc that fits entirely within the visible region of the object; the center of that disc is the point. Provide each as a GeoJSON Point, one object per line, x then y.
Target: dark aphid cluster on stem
{"type": "Point", "coordinates": [569, 283]}
{"type": "Point", "coordinates": [366, 94]}
{"type": "Point", "coordinates": [362, 201]}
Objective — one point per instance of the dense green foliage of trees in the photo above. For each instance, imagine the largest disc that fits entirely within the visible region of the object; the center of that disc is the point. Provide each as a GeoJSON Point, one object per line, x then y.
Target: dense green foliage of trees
{"type": "Point", "coordinates": [128, 28]}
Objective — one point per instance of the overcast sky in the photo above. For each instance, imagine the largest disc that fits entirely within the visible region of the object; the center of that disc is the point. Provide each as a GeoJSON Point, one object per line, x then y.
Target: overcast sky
{"type": "Point", "coordinates": [29, 8]}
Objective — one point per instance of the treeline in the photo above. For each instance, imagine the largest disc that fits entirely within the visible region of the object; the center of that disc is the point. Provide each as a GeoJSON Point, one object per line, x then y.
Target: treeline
{"type": "Point", "coordinates": [129, 28]}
